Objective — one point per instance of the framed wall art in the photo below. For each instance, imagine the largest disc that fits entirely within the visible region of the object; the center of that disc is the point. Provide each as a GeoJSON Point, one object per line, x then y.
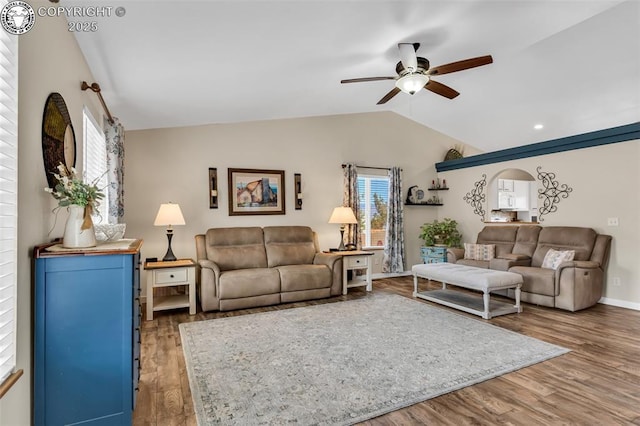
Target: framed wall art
{"type": "Point", "coordinates": [256, 192]}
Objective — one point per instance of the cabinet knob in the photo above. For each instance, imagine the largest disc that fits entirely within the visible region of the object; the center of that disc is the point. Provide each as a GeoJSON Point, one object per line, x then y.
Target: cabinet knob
{"type": "Point", "coordinates": [171, 275]}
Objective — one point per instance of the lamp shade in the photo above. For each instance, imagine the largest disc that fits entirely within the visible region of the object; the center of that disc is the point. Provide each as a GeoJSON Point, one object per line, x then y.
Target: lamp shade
{"type": "Point", "coordinates": [343, 215]}
{"type": "Point", "coordinates": [412, 83]}
{"type": "Point", "coordinates": [168, 215]}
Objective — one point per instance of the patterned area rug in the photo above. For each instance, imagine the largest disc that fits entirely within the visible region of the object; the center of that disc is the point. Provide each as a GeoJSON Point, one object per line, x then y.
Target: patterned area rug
{"type": "Point", "coordinates": [344, 362]}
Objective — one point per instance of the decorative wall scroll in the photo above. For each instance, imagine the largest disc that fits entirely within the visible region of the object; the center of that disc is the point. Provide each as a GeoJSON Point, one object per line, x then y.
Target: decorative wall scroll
{"type": "Point", "coordinates": [551, 192]}
{"type": "Point", "coordinates": [476, 197]}
{"type": "Point", "coordinates": [213, 188]}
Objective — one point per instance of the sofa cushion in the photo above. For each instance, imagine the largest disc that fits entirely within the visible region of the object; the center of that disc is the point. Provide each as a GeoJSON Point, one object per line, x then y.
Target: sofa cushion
{"type": "Point", "coordinates": [536, 280]}
{"type": "Point", "coordinates": [526, 240]}
{"type": "Point", "coordinates": [579, 239]}
{"type": "Point", "coordinates": [236, 248]}
{"type": "Point", "coordinates": [479, 251]}
{"type": "Point", "coordinates": [248, 282]}
{"type": "Point", "coordinates": [304, 277]}
{"type": "Point", "coordinates": [476, 263]}
{"type": "Point", "coordinates": [503, 237]}
{"type": "Point", "coordinates": [289, 245]}
{"type": "Point", "coordinates": [554, 258]}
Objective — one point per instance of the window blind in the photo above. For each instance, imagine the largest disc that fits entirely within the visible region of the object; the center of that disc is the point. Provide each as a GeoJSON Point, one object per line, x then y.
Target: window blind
{"type": "Point", "coordinates": [95, 161]}
{"type": "Point", "coordinates": [8, 200]}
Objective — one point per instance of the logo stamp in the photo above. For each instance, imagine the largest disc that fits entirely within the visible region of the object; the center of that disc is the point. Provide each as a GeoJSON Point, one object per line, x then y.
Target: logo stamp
{"type": "Point", "coordinates": [17, 17]}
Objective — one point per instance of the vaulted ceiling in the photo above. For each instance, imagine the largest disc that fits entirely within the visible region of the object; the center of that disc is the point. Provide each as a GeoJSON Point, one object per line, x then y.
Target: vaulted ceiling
{"type": "Point", "coordinates": [573, 66]}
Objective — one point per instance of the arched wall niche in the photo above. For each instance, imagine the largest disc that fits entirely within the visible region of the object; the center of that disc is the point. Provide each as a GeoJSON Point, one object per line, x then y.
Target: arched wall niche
{"type": "Point", "coordinates": [512, 196]}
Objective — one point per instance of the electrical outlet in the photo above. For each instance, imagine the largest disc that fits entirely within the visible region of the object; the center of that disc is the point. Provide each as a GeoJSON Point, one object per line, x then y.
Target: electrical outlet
{"type": "Point", "coordinates": [616, 281]}
{"type": "Point", "coordinates": [612, 221]}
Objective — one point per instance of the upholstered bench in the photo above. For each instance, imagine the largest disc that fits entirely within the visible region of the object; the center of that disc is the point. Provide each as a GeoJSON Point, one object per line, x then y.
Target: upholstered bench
{"type": "Point", "coordinates": [480, 279]}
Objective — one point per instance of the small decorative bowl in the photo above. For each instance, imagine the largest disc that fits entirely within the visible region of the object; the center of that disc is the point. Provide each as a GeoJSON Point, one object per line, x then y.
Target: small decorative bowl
{"type": "Point", "coordinates": [110, 232]}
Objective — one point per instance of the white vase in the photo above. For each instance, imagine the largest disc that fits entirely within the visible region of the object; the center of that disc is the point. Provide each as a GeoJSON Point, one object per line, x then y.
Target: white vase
{"type": "Point", "coordinates": [74, 236]}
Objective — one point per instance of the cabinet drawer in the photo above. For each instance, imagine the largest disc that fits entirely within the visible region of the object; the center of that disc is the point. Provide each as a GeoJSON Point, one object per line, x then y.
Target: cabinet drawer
{"type": "Point", "coordinates": [358, 261]}
{"type": "Point", "coordinates": [171, 276]}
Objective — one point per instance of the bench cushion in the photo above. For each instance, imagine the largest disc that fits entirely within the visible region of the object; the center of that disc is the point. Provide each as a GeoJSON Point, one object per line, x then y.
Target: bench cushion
{"type": "Point", "coordinates": [467, 276]}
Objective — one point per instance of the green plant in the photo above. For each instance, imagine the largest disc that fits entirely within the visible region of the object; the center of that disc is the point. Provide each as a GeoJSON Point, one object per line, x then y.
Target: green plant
{"type": "Point", "coordinates": [445, 232]}
{"type": "Point", "coordinates": [70, 189]}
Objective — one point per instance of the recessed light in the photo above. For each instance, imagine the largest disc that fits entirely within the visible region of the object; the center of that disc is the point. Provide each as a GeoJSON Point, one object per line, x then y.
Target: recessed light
{"type": "Point", "coordinates": [538, 126]}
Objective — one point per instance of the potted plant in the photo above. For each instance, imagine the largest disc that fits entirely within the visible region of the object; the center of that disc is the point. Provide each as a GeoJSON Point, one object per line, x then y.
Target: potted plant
{"type": "Point", "coordinates": [444, 233]}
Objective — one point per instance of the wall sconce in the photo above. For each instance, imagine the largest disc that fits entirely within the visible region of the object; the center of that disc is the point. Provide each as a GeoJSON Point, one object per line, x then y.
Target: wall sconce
{"type": "Point", "coordinates": [297, 183]}
{"type": "Point", "coordinates": [213, 188]}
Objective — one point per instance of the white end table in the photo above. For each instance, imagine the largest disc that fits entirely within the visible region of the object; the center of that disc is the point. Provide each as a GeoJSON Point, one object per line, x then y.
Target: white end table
{"type": "Point", "coordinates": [354, 261]}
{"type": "Point", "coordinates": [171, 274]}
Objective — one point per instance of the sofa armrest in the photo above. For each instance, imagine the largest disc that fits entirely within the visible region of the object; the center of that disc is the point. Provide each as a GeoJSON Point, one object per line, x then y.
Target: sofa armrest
{"type": "Point", "coordinates": [334, 263]}
{"type": "Point", "coordinates": [513, 256]}
{"type": "Point", "coordinates": [328, 259]}
{"type": "Point", "coordinates": [586, 264]}
{"type": "Point", "coordinates": [207, 278]}
{"type": "Point", "coordinates": [209, 264]}
{"type": "Point", "coordinates": [454, 254]}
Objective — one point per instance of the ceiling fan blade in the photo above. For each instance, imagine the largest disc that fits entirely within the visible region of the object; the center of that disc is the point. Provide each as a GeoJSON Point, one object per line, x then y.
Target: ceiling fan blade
{"type": "Point", "coordinates": [358, 80]}
{"type": "Point", "coordinates": [461, 65]}
{"type": "Point", "coordinates": [408, 56]}
{"type": "Point", "coordinates": [441, 89]}
{"type": "Point", "coordinates": [388, 96]}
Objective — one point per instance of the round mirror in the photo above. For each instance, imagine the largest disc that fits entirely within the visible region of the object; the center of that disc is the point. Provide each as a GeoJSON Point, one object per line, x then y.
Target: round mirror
{"type": "Point", "coordinates": [58, 137]}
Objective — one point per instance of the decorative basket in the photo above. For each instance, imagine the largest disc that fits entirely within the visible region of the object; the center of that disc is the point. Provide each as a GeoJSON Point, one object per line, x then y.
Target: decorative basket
{"type": "Point", "coordinates": [452, 154]}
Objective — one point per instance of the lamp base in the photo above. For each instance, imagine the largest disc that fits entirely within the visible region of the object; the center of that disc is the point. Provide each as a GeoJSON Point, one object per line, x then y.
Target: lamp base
{"type": "Point", "coordinates": [341, 247]}
{"type": "Point", "coordinates": [169, 256]}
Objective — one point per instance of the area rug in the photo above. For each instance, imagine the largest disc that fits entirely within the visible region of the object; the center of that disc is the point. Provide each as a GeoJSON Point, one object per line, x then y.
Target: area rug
{"type": "Point", "coordinates": [344, 362]}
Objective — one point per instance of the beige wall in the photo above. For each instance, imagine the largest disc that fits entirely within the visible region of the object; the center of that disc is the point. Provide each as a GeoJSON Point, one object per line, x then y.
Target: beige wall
{"type": "Point", "coordinates": [49, 61]}
{"type": "Point", "coordinates": [605, 182]}
{"type": "Point", "coordinates": [172, 165]}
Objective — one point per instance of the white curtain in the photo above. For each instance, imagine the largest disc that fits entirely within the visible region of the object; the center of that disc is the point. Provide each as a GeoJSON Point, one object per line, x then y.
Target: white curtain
{"type": "Point", "coordinates": [394, 256]}
{"type": "Point", "coordinates": [114, 135]}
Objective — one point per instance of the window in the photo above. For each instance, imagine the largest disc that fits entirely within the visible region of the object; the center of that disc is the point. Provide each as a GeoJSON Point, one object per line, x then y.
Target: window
{"type": "Point", "coordinates": [8, 201]}
{"type": "Point", "coordinates": [95, 162]}
{"type": "Point", "coordinates": [374, 200]}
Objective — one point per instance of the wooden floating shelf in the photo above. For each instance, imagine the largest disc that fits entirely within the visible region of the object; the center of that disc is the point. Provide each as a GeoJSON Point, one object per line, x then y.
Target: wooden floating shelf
{"type": "Point", "coordinates": [438, 189]}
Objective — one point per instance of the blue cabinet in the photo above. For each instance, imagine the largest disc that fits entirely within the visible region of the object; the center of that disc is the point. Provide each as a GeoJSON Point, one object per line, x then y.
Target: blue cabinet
{"type": "Point", "coordinates": [86, 336]}
{"type": "Point", "coordinates": [433, 254]}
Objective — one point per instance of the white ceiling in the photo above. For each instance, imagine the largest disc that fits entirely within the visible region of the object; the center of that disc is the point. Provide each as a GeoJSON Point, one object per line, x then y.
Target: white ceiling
{"type": "Point", "coordinates": [573, 66]}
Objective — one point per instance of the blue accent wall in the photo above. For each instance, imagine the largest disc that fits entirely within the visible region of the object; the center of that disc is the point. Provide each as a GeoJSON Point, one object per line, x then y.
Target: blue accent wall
{"type": "Point", "coordinates": [586, 140]}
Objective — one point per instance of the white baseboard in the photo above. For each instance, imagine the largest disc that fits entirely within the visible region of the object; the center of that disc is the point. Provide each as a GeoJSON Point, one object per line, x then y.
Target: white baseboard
{"type": "Point", "coordinates": [620, 303]}
{"type": "Point", "coordinates": [383, 275]}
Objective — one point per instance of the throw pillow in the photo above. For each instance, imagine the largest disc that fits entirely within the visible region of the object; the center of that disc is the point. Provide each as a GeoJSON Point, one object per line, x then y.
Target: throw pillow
{"type": "Point", "coordinates": [554, 258]}
{"type": "Point", "coordinates": [479, 251]}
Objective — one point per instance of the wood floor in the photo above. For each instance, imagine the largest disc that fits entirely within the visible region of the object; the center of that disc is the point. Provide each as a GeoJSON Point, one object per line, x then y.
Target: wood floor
{"type": "Point", "coordinates": [598, 383]}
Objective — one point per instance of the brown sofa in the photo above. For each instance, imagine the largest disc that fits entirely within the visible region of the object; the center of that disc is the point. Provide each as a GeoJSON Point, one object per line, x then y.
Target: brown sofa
{"type": "Point", "coordinates": [574, 285]}
{"type": "Point", "coordinates": [250, 266]}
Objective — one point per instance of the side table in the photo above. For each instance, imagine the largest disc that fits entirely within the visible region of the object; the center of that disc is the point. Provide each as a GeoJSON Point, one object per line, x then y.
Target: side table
{"type": "Point", "coordinates": [171, 274]}
{"type": "Point", "coordinates": [433, 254]}
{"type": "Point", "coordinates": [356, 260]}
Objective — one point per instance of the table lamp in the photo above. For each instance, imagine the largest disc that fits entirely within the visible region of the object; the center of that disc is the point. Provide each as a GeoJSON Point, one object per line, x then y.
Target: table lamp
{"type": "Point", "coordinates": [169, 215]}
{"type": "Point", "coordinates": [343, 216]}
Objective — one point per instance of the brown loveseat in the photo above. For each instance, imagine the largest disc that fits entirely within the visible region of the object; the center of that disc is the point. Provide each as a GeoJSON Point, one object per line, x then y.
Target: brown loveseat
{"type": "Point", "coordinates": [248, 267]}
{"type": "Point", "coordinates": [574, 285]}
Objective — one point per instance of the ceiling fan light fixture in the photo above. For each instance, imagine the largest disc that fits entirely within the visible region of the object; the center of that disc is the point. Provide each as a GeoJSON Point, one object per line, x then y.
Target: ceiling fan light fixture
{"type": "Point", "coordinates": [412, 83]}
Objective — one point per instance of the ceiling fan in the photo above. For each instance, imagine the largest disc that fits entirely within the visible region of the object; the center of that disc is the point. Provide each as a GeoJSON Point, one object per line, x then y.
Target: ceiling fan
{"type": "Point", "coordinates": [414, 73]}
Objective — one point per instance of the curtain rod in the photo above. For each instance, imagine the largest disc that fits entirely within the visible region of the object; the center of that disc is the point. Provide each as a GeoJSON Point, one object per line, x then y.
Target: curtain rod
{"type": "Point", "coordinates": [370, 167]}
{"type": "Point", "coordinates": [95, 87]}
